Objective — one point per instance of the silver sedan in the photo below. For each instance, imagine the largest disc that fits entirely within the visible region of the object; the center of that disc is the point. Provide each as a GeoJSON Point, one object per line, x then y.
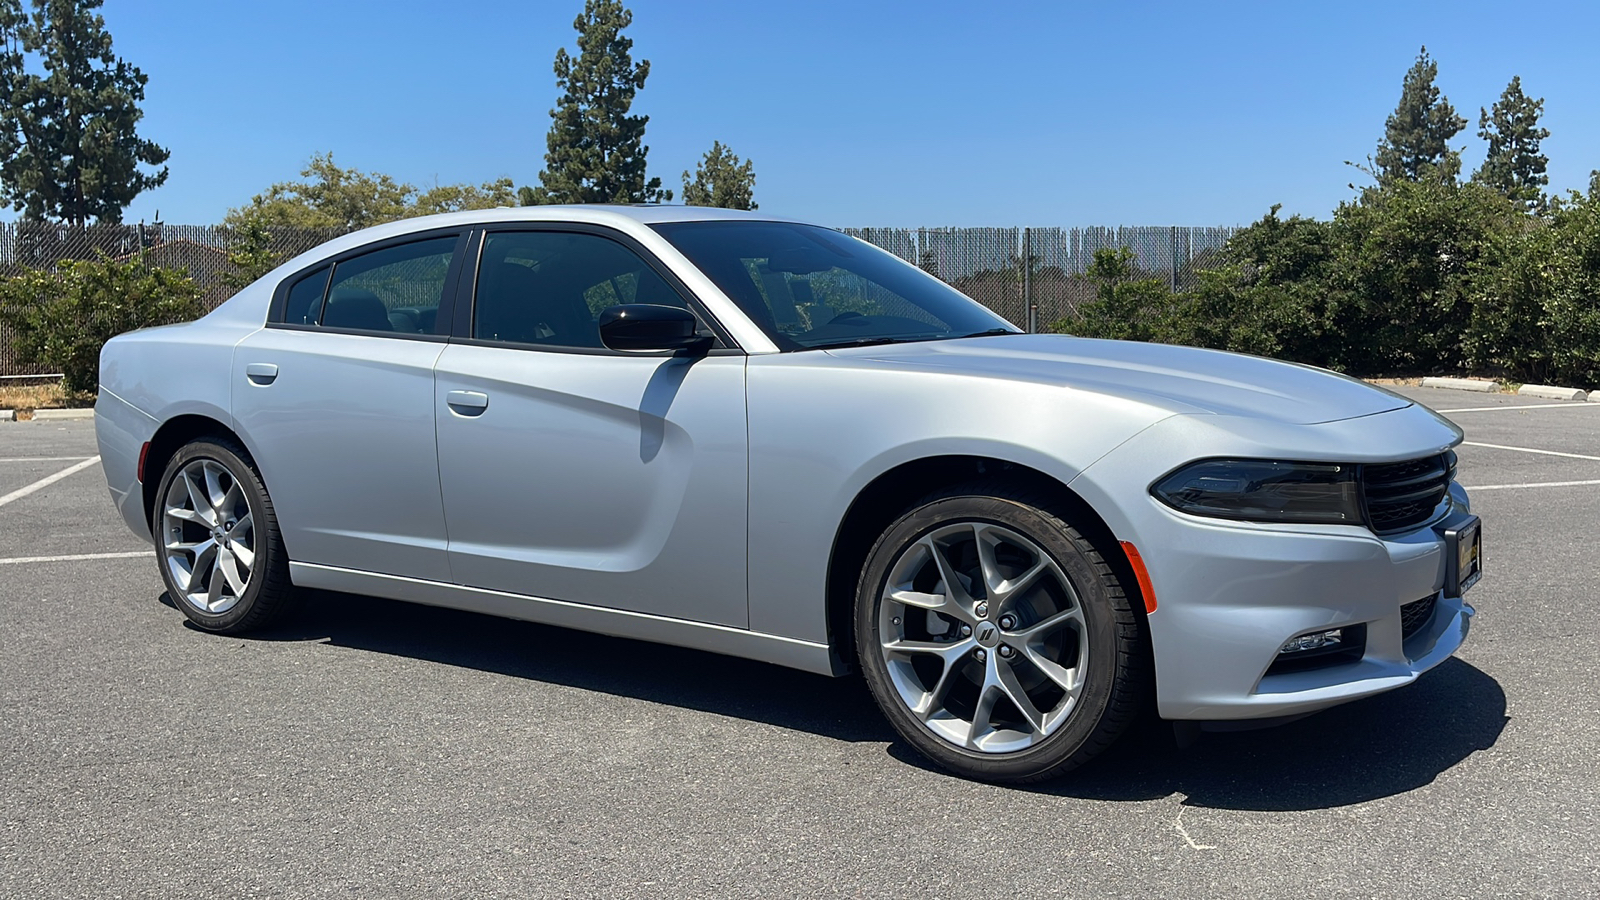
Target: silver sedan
{"type": "Point", "coordinates": [764, 438]}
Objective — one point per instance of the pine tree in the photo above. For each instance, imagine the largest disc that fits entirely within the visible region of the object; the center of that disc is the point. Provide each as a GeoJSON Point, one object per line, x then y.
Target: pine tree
{"type": "Point", "coordinates": [69, 148]}
{"type": "Point", "coordinates": [720, 179]}
{"type": "Point", "coordinates": [1416, 140]}
{"type": "Point", "coordinates": [1514, 167]}
{"type": "Point", "coordinates": [596, 149]}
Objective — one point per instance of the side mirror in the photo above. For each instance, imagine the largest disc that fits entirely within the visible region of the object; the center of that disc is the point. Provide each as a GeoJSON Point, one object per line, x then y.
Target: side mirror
{"type": "Point", "coordinates": [642, 326]}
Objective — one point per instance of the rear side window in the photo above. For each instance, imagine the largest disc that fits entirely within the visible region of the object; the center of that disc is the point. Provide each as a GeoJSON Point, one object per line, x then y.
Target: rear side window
{"type": "Point", "coordinates": [395, 290]}
{"type": "Point", "coordinates": [304, 306]}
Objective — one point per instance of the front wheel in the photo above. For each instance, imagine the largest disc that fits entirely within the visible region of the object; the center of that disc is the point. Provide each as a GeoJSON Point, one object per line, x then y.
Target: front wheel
{"type": "Point", "coordinates": [995, 638]}
{"type": "Point", "coordinates": [222, 558]}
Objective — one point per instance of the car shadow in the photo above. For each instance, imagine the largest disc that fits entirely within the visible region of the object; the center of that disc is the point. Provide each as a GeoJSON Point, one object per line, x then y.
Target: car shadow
{"type": "Point", "coordinates": [1373, 748]}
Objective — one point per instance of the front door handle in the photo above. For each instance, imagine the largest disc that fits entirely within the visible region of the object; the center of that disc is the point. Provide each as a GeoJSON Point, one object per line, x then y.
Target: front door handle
{"type": "Point", "coordinates": [467, 403]}
{"type": "Point", "coordinates": [261, 374]}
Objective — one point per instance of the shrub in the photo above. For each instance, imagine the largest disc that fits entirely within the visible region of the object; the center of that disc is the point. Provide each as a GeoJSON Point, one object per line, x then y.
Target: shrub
{"type": "Point", "coordinates": [62, 317]}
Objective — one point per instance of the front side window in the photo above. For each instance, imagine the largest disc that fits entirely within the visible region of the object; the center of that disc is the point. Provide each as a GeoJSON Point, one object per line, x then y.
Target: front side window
{"type": "Point", "coordinates": [395, 290]}
{"type": "Point", "coordinates": [549, 288]}
{"type": "Point", "coordinates": [809, 287]}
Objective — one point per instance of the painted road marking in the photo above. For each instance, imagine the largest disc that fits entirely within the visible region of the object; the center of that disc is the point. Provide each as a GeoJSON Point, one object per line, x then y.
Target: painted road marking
{"type": "Point", "coordinates": [1533, 484]}
{"type": "Point", "coordinates": [1474, 444]}
{"type": "Point", "coordinates": [6, 459]}
{"type": "Point", "coordinates": [48, 480]}
{"type": "Point", "coordinates": [1570, 404]}
{"type": "Point", "coordinates": [73, 557]}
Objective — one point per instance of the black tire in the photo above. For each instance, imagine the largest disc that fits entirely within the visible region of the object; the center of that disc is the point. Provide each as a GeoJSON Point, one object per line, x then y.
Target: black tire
{"type": "Point", "coordinates": [1109, 694]}
{"type": "Point", "coordinates": [268, 593]}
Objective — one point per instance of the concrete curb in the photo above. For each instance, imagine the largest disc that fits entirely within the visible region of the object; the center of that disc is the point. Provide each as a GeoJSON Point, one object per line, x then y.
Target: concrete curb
{"type": "Point", "coordinates": [62, 414]}
{"type": "Point", "coordinates": [57, 415]}
{"type": "Point", "coordinates": [1550, 392]}
{"type": "Point", "coordinates": [1462, 384]}
{"type": "Point", "coordinates": [1594, 396]}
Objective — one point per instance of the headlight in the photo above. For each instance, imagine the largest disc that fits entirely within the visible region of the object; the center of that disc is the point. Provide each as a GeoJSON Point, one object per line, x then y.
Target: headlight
{"type": "Point", "coordinates": [1260, 490]}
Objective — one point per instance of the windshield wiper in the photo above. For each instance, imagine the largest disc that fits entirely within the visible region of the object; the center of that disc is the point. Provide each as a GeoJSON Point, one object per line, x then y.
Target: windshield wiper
{"type": "Point", "coordinates": [987, 333]}
{"type": "Point", "coordinates": [867, 342]}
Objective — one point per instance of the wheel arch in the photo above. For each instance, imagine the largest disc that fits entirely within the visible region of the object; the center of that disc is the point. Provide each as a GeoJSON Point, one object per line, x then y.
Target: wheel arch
{"type": "Point", "coordinates": [891, 494]}
{"type": "Point", "coordinates": [171, 437]}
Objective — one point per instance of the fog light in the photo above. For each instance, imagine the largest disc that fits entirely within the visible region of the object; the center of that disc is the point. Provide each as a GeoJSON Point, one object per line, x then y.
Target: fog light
{"type": "Point", "coordinates": [1317, 640]}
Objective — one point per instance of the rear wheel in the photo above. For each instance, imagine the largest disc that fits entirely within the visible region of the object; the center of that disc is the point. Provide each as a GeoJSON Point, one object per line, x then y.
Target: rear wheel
{"type": "Point", "coordinates": [995, 638]}
{"type": "Point", "coordinates": [222, 558]}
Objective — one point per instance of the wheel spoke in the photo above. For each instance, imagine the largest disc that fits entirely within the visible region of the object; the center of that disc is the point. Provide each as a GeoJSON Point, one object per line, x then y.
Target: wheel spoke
{"type": "Point", "coordinates": [214, 589]}
{"type": "Point", "coordinates": [240, 527]}
{"type": "Point", "coordinates": [230, 571]}
{"type": "Point", "coordinates": [917, 599]}
{"type": "Point", "coordinates": [1066, 679]}
{"type": "Point", "coordinates": [1048, 624]}
{"type": "Point", "coordinates": [1008, 589]}
{"type": "Point", "coordinates": [243, 555]}
{"type": "Point", "coordinates": [198, 499]}
{"type": "Point", "coordinates": [1012, 688]}
{"type": "Point", "coordinates": [942, 649]}
{"type": "Point", "coordinates": [957, 600]}
{"type": "Point", "coordinates": [983, 715]}
{"type": "Point", "coordinates": [215, 495]}
{"type": "Point", "coordinates": [987, 564]}
{"type": "Point", "coordinates": [187, 515]}
{"type": "Point", "coordinates": [204, 557]}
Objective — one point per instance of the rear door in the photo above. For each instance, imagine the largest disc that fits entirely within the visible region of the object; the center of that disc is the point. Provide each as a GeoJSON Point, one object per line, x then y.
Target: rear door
{"type": "Point", "coordinates": [577, 473]}
{"type": "Point", "coordinates": [335, 399]}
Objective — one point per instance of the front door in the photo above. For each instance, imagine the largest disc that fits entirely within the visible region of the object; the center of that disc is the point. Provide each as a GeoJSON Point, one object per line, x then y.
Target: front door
{"type": "Point", "coordinates": [576, 473]}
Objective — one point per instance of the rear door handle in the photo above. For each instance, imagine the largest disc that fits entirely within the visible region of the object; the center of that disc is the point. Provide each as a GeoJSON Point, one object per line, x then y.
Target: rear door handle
{"type": "Point", "coordinates": [467, 403]}
{"type": "Point", "coordinates": [261, 373]}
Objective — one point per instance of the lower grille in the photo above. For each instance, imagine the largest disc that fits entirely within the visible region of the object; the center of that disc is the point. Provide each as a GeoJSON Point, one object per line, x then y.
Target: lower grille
{"type": "Point", "coordinates": [1416, 614]}
{"type": "Point", "coordinates": [1402, 495]}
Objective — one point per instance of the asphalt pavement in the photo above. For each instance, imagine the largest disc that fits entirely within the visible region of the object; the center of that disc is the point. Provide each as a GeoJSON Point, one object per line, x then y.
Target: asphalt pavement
{"type": "Point", "coordinates": [378, 749]}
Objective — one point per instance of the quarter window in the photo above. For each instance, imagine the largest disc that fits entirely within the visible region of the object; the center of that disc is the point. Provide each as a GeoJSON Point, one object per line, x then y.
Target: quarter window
{"type": "Point", "coordinates": [304, 306]}
{"type": "Point", "coordinates": [549, 288]}
{"type": "Point", "coordinates": [393, 290]}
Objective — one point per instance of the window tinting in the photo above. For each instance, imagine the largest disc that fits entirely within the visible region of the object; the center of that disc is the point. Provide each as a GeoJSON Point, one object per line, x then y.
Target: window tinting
{"type": "Point", "coordinates": [811, 287]}
{"type": "Point", "coordinates": [548, 287]}
{"type": "Point", "coordinates": [304, 306]}
{"type": "Point", "coordinates": [396, 289]}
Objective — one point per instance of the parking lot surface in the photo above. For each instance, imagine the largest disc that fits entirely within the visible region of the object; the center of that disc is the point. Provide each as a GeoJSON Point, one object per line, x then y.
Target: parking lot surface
{"type": "Point", "coordinates": [380, 749]}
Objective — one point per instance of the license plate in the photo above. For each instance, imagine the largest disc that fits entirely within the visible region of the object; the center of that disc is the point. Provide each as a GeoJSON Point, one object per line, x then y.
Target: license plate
{"type": "Point", "coordinates": [1464, 544]}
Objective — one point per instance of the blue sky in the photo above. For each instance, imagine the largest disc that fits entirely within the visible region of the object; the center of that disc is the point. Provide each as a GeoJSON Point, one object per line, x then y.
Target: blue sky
{"type": "Point", "coordinates": [859, 113]}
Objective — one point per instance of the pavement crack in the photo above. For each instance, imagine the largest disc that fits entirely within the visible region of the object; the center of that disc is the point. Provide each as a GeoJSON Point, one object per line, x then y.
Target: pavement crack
{"type": "Point", "coordinates": [1184, 832]}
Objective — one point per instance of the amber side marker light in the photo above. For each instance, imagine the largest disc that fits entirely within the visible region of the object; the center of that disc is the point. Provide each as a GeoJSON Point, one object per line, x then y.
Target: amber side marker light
{"type": "Point", "coordinates": [1141, 575]}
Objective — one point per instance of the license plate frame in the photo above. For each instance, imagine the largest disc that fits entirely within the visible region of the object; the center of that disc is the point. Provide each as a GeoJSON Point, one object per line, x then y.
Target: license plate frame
{"type": "Point", "coordinates": [1463, 556]}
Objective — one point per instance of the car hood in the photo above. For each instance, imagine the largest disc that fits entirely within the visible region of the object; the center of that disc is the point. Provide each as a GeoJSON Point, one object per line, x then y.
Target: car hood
{"type": "Point", "coordinates": [1181, 379]}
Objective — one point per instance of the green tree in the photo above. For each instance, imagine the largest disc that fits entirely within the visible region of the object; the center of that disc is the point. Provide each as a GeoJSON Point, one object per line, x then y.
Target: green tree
{"type": "Point", "coordinates": [1409, 256]}
{"type": "Point", "coordinates": [69, 146]}
{"type": "Point", "coordinates": [1416, 138]}
{"type": "Point", "coordinates": [596, 151]}
{"type": "Point", "coordinates": [328, 197]}
{"type": "Point", "coordinates": [1129, 305]}
{"type": "Point", "coordinates": [62, 318]}
{"type": "Point", "coordinates": [1514, 166]}
{"type": "Point", "coordinates": [721, 180]}
{"type": "Point", "coordinates": [445, 198]}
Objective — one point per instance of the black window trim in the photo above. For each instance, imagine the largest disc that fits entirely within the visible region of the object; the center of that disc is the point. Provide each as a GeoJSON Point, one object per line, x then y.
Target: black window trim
{"type": "Point", "coordinates": [443, 318]}
{"type": "Point", "coordinates": [466, 291]}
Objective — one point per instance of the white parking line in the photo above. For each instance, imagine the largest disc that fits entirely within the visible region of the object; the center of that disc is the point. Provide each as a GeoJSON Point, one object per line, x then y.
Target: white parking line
{"type": "Point", "coordinates": [5, 459]}
{"type": "Point", "coordinates": [1532, 484]}
{"type": "Point", "coordinates": [1567, 405]}
{"type": "Point", "coordinates": [73, 557]}
{"type": "Point", "coordinates": [1504, 447]}
{"type": "Point", "coordinates": [48, 480]}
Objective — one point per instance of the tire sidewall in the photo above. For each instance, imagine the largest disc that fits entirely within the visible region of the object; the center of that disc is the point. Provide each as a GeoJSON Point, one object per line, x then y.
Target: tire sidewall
{"type": "Point", "coordinates": [1072, 554]}
{"type": "Point", "coordinates": [255, 494]}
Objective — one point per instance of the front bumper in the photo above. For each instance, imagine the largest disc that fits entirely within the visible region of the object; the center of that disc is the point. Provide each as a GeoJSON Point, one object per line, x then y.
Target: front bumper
{"type": "Point", "coordinates": [1230, 594]}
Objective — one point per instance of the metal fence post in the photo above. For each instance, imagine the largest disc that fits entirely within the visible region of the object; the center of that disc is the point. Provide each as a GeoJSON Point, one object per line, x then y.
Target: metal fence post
{"type": "Point", "coordinates": [1174, 259]}
{"type": "Point", "coordinates": [1027, 281]}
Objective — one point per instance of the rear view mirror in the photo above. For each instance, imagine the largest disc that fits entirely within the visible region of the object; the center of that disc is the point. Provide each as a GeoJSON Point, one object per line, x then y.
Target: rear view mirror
{"type": "Point", "coordinates": [642, 326]}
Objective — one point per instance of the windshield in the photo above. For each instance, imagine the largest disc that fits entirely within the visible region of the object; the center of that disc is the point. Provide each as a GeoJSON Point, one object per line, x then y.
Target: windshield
{"type": "Point", "coordinates": [809, 287]}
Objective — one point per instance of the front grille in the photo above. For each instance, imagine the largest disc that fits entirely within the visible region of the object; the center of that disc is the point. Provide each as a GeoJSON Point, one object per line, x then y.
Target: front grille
{"type": "Point", "coordinates": [1401, 495]}
{"type": "Point", "coordinates": [1416, 614]}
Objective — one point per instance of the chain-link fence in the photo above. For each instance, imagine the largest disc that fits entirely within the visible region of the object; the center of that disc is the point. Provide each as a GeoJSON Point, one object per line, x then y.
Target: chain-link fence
{"type": "Point", "coordinates": [1033, 277]}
